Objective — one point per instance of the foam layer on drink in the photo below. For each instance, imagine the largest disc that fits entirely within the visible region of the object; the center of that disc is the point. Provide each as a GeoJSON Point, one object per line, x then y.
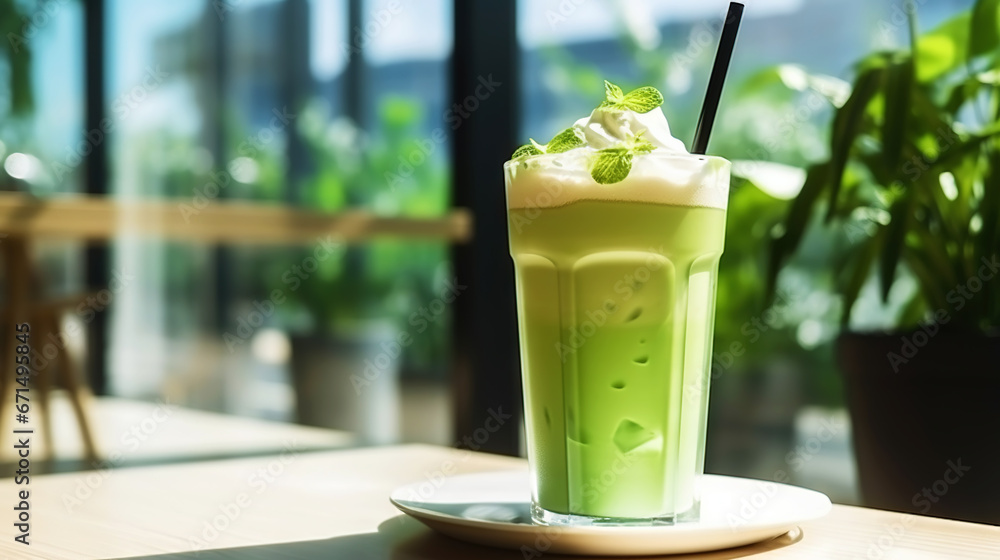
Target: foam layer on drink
{"type": "Point", "coordinates": [667, 175]}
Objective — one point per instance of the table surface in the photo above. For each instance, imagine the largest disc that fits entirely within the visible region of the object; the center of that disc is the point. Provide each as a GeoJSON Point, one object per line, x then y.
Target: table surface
{"type": "Point", "coordinates": [136, 432]}
{"type": "Point", "coordinates": [334, 504]}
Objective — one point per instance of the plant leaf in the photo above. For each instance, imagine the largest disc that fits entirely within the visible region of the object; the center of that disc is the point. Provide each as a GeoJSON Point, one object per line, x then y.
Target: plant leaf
{"type": "Point", "coordinates": [613, 93]}
{"type": "Point", "coordinates": [912, 313]}
{"type": "Point", "coordinates": [932, 251]}
{"type": "Point", "coordinates": [898, 83]}
{"type": "Point", "coordinates": [961, 94]}
{"type": "Point", "coordinates": [988, 239]}
{"type": "Point", "coordinates": [950, 154]}
{"type": "Point", "coordinates": [876, 166]}
{"type": "Point", "coordinates": [928, 121]}
{"type": "Point", "coordinates": [984, 33]}
{"type": "Point", "coordinates": [525, 151]}
{"type": "Point", "coordinates": [564, 141]}
{"type": "Point", "coordinates": [892, 247]}
{"type": "Point", "coordinates": [642, 146]}
{"type": "Point", "coordinates": [611, 165]}
{"type": "Point", "coordinates": [846, 125]}
{"type": "Point", "coordinates": [794, 78]}
{"type": "Point", "coordinates": [799, 212]}
{"type": "Point", "coordinates": [930, 286]}
{"type": "Point", "coordinates": [541, 149]}
{"type": "Point", "coordinates": [858, 275]}
{"type": "Point", "coordinates": [968, 89]}
{"type": "Point", "coordinates": [942, 49]}
{"type": "Point", "coordinates": [933, 282]}
{"type": "Point", "coordinates": [643, 100]}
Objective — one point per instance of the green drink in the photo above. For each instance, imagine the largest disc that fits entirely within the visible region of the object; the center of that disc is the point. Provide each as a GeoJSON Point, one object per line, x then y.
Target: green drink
{"type": "Point", "coordinates": [616, 300]}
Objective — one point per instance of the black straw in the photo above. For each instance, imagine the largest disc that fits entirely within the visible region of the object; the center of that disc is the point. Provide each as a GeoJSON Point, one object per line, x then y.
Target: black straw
{"type": "Point", "coordinates": [719, 69]}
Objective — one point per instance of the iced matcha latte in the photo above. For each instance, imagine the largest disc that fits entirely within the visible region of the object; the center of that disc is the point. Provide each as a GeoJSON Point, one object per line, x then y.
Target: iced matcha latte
{"type": "Point", "coordinates": [616, 233]}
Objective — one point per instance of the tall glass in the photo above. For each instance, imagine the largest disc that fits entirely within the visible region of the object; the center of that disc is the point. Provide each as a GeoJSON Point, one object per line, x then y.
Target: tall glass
{"type": "Point", "coordinates": [616, 305]}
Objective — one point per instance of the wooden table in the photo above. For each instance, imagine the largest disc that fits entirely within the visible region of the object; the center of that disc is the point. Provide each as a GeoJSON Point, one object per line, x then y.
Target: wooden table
{"type": "Point", "coordinates": [334, 505]}
{"type": "Point", "coordinates": [139, 432]}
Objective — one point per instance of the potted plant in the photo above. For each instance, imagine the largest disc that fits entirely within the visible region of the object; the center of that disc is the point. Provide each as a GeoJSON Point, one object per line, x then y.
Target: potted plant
{"type": "Point", "coordinates": [335, 313]}
{"type": "Point", "coordinates": [344, 364]}
{"type": "Point", "coordinates": [913, 178]}
{"type": "Point", "coordinates": [352, 320]}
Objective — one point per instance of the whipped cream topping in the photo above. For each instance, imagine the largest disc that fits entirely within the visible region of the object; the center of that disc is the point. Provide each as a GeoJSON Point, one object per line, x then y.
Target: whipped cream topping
{"type": "Point", "coordinates": [603, 129]}
{"type": "Point", "coordinates": [667, 175]}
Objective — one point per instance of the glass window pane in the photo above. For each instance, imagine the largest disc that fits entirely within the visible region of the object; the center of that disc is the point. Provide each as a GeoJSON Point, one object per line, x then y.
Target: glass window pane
{"type": "Point", "coordinates": [42, 138]}
{"type": "Point", "coordinates": [254, 102]}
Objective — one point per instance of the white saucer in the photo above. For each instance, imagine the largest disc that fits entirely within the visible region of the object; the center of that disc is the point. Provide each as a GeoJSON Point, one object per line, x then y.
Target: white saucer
{"type": "Point", "coordinates": [493, 509]}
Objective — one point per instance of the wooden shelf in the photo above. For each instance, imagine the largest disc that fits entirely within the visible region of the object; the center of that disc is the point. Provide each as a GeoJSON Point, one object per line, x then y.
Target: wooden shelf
{"type": "Point", "coordinates": [229, 222]}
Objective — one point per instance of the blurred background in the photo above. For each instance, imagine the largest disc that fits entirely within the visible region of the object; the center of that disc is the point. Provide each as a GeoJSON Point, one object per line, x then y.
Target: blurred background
{"type": "Point", "coordinates": [348, 108]}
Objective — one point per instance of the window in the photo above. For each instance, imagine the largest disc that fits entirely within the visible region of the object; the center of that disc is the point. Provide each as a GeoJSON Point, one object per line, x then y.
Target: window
{"type": "Point", "coordinates": [327, 106]}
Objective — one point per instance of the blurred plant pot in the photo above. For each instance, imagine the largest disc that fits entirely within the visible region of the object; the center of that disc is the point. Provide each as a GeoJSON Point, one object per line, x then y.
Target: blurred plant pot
{"type": "Point", "coordinates": [349, 380]}
{"type": "Point", "coordinates": [925, 421]}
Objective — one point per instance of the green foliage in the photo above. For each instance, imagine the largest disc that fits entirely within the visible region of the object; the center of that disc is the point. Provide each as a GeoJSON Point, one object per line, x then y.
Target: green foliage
{"type": "Point", "coordinates": [15, 54]}
{"type": "Point", "coordinates": [563, 142]}
{"type": "Point", "coordinates": [916, 143]}
{"type": "Point", "coordinates": [383, 279]}
{"type": "Point", "coordinates": [613, 93]}
{"type": "Point", "coordinates": [525, 151]}
{"type": "Point", "coordinates": [611, 165]}
{"type": "Point", "coordinates": [16, 92]}
{"type": "Point", "coordinates": [640, 100]}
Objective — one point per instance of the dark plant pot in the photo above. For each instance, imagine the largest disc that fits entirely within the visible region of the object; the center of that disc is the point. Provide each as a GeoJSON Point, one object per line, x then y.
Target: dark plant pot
{"type": "Point", "coordinates": [349, 381]}
{"type": "Point", "coordinates": [927, 430]}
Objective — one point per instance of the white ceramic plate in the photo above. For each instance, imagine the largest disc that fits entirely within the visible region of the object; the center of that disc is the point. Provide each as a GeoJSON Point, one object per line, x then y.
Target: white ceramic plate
{"type": "Point", "coordinates": [493, 509]}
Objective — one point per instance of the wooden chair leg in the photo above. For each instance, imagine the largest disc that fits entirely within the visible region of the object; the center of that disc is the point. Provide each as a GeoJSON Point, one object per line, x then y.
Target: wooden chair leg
{"type": "Point", "coordinates": [16, 270]}
{"type": "Point", "coordinates": [42, 388]}
{"type": "Point", "coordinates": [7, 373]}
{"type": "Point", "coordinates": [79, 397]}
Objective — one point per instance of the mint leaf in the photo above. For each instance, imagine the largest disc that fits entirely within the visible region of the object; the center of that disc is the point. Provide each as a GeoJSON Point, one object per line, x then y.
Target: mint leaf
{"type": "Point", "coordinates": [643, 100]}
{"type": "Point", "coordinates": [613, 93]}
{"type": "Point", "coordinates": [525, 151]}
{"type": "Point", "coordinates": [642, 146]}
{"type": "Point", "coordinates": [564, 141]}
{"type": "Point", "coordinates": [611, 165]}
{"type": "Point", "coordinates": [614, 164]}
